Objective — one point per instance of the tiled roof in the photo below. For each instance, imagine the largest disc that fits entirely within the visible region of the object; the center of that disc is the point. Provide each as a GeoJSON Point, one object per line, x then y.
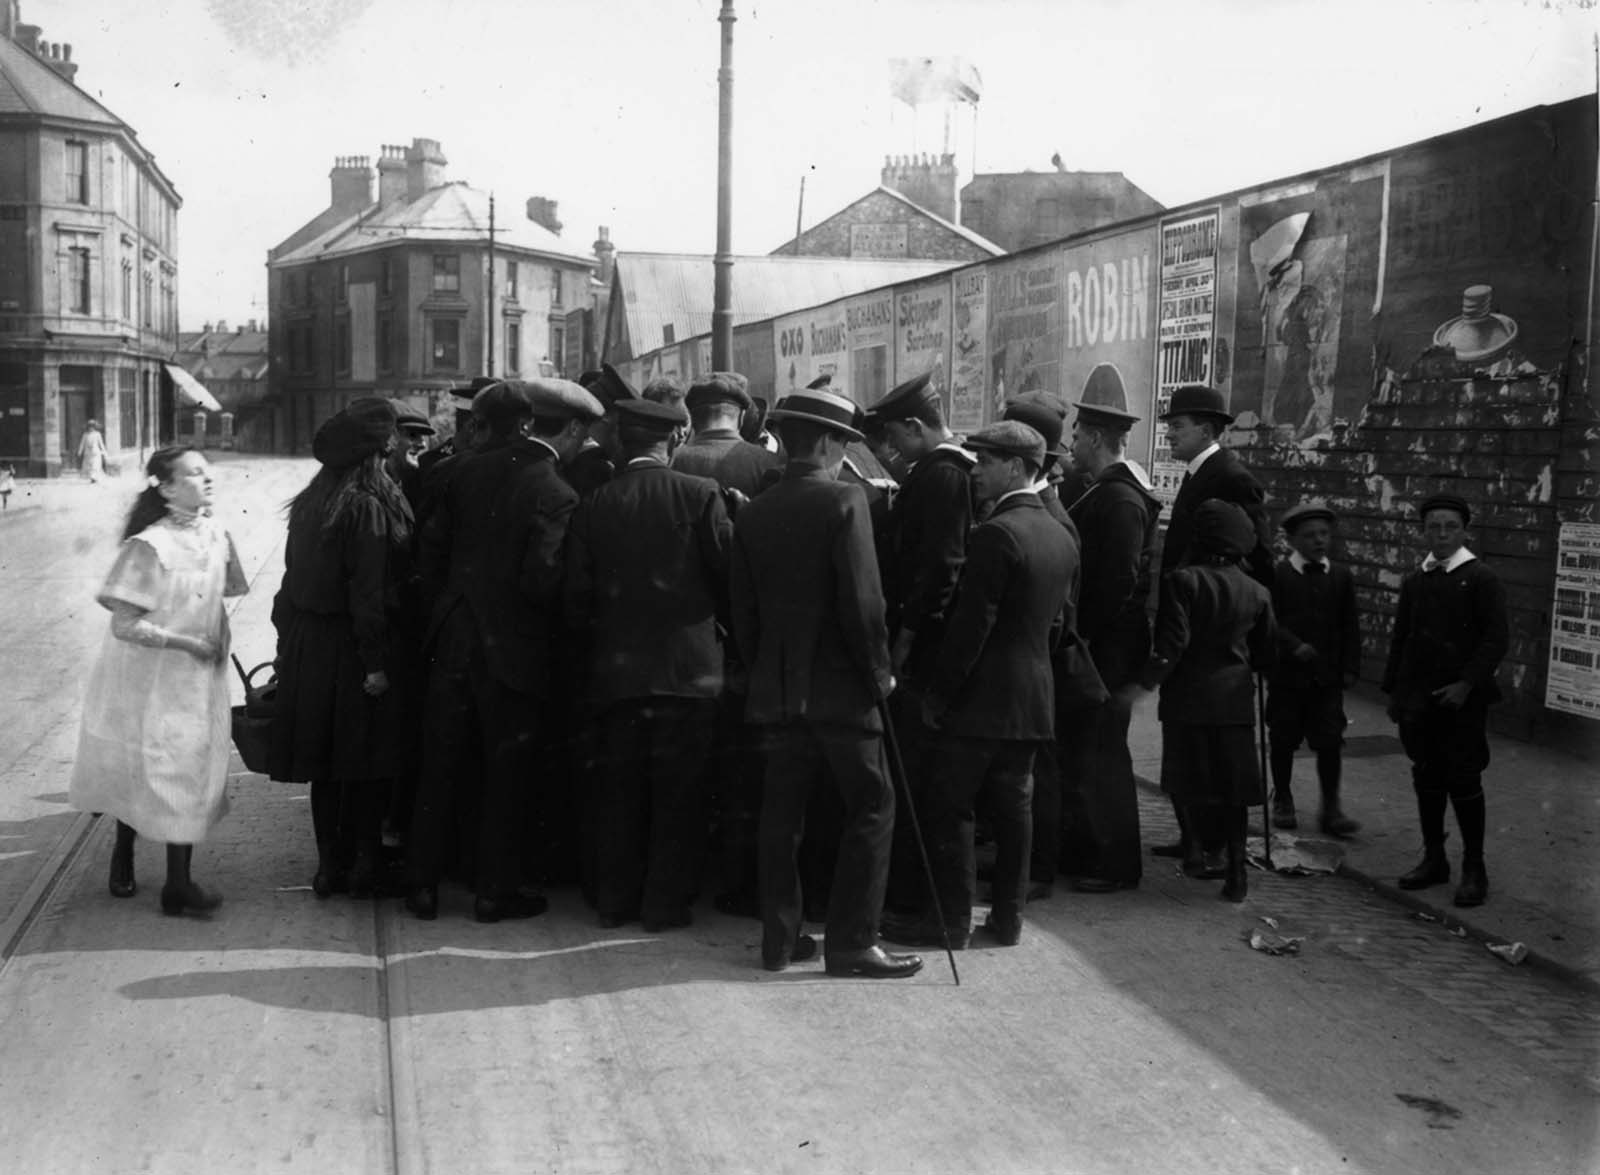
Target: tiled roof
{"type": "Point", "coordinates": [449, 212]}
{"type": "Point", "coordinates": [223, 355]}
{"type": "Point", "coordinates": [676, 288]}
{"type": "Point", "coordinates": [29, 86]}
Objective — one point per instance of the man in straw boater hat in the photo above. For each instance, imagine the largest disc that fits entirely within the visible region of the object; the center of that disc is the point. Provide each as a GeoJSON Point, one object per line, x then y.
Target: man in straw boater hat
{"type": "Point", "coordinates": [491, 555]}
{"type": "Point", "coordinates": [808, 617]}
{"type": "Point", "coordinates": [1196, 418]}
{"type": "Point", "coordinates": [1116, 519]}
{"type": "Point", "coordinates": [991, 696]}
{"type": "Point", "coordinates": [646, 585]}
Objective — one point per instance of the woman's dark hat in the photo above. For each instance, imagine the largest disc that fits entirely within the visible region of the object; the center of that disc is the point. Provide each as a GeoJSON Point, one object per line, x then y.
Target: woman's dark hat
{"type": "Point", "coordinates": [819, 407]}
{"type": "Point", "coordinates": [1104, 398]}
{"type": "Point", "coordinates": [1446, 502]}
{"type": "Point", "coordinates": [350, 436]}
{"type": "Point", "coordinates": [1305, 512]}
{"type": "Point", "coordinates": [1198, 400]}
{"type": "Point", "coordinates": [1221, 528]}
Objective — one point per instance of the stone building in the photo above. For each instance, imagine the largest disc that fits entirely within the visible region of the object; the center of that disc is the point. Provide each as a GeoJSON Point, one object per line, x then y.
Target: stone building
{"type": "Point", "coordinates": [232, 365]}
{"type": "Point", "coordinates": [409, 282]}
{"type": "Point", "coordinates": [88, 266]}
{"type": "Point", "coordinates": [892, 223]}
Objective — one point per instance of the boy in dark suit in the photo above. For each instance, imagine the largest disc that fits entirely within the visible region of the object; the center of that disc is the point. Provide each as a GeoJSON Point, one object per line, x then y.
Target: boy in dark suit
{"type": "Point", "coordinates": [1319, 657]}
{"type": "Point", "coordinates": [1450, 634]}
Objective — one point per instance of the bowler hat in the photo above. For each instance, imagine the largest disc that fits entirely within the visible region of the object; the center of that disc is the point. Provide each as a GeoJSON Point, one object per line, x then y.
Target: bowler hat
{"type": "Point", "coordinates": [359, 430]}
{"type": "Point", "coordinates": [1104, 398]}
{"type": "Point", "coordinates": [720, 387]}
{"type": "Point", "coordinates": [1043, 413]}
{"type": "Point", "coordinates": [1305, 512]}
{"type": "Point", "coordinates": [1198, 400]}
{"type": "Point", "coordinates": [818, 406]}
{"type": "Point", "coordinates": [907, 399]}
{"type": "Point", "coordinates": [1222, 528]}
{"type": "Point", "coordinates": [1010, 438]}
{"type": "Point", "coordinates": [1446, 502]}
{"type": "Point", "coordinates": [661, 418]}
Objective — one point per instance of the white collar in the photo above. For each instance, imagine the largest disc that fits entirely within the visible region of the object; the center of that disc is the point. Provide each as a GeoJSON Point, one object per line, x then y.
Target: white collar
{"type": "Point", "coordinates": [1299, 562]}
{"type": "Point", "coordinates": [638, 461]}
{"type": "Point", "coordinates": [1461, 556]}
{"type": "Point", "coordinates": [1011, 494]}
{"type": "Point", "coordinates": [1201, 457]}
{"type": "Point", "coordinates": [1039, 487]}
{"type": "Point", "coordinates": [548, 445]}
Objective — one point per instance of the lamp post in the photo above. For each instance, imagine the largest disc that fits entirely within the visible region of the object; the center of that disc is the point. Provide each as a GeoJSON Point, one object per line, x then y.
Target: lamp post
{"type": "Point", "coordinates": [722, 287]}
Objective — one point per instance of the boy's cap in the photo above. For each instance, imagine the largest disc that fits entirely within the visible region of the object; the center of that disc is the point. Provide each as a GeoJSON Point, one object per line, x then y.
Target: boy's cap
{"type": "Point", "coordinates": [1305, 512]}
{"type": "Point", "coordinates": [1446, 502]}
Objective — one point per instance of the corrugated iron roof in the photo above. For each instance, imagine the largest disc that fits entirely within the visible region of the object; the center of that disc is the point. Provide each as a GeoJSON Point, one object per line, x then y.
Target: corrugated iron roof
{"type": "Point", "coordinates": [450, 212]}
{"type": "Point", "coordinates": [659, 289]}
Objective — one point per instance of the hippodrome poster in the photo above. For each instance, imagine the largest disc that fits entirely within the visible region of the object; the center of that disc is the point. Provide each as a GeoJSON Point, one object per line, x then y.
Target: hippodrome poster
{"type": "Point", "coordinates": [922, 335]}
{"type": "Point", "coordinates": [1108, 316]}
{"type": "Point", "coordinates": [969, 349]}
{"type": "Point", "coordinates": [869, 333]}
{"type": "Point", "coordinates": [1573, 681]}
{"type": "Point", "coordinates": [1187, 329]}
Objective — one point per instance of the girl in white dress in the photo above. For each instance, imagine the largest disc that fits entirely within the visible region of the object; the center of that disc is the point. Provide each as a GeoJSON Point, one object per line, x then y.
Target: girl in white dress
{"type": "Point", "coordinates": [154, 745]}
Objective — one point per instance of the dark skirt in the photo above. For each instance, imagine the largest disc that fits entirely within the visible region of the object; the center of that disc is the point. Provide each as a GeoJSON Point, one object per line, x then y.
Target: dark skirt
{"type": "Point", "coordinates": [1210, 764]}
{"type": "Point", "coordinates": [325, 727]}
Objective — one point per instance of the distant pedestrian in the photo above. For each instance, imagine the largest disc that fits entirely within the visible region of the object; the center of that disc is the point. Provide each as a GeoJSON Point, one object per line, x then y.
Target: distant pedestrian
{"type": "Point", "coordinates": [1319, 657]}
{"type": "Point", "coordinates": [154, 743]}
{"type": "Point", "coordinates": [92, 452]}
{"type": "Point", "coordinates": [1450, 634]}
{"type": "Point", "coordinates": [8, 482]}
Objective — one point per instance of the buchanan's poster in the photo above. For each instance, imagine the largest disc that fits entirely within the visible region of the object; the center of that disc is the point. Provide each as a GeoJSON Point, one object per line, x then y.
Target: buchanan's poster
{"type": "Point", "coordinates": [969, 349]}
{"type": "Point", "coordinates": [922, 335]}
{"type": "Point", "coordinates": [1187, 329]}
{"type": "Point", "coordinates": [1108, 322]}
{"type": "Point", "coordinates": [1024, 327]}
{"type": "Point", "coordinates": [869, 332]}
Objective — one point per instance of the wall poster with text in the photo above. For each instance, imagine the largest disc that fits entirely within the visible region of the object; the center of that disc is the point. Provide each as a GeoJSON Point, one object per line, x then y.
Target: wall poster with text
{"type": "Point", "coordinates": [969, 349]}
{"type": "Point", "coordinates": [1573, 680]}
{"type": "Point", "coordinates": [922, 335]}
{"type": "Point", "coordinates": [869, 333]}
{"type": "Point", "coordinates": [809, 344]}
{"type": "Point", "coordinates": [1187, 328]}
{"type": "Point", "coordinates": [1024, 327]}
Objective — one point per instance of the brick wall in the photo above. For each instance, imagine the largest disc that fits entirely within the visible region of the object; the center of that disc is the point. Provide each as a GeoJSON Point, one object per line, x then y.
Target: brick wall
{"type": "Point", "coordinates": [926, 238]}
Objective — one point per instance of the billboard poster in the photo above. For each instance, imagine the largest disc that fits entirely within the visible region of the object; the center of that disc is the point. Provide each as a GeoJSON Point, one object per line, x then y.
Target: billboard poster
{"type": "Point", "coordinates": [752, 357]}
{"type": "Point", "coordinates": [869, 330]}
{"type": "Point", "coordinates": [922, 335]}
{"type": "Point", "coordinates": [1108, 321]}
{"type": "Point", "coordinates": [809, 344]}
{"type": "Point", "coordinates": [1024, 327]}
{"type": "Point", "coordinates": [1572, 684]}
{"type": "Point", "coordinates": [969, 349]}
{"type": "Point", "coordinates": [1187, 321]}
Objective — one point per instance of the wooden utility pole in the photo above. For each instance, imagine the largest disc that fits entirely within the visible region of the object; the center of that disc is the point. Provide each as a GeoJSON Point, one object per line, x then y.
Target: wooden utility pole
{"type": "Point", "coordinates": [722, 287]}
{"type": "Point", "coordinates": [489, 366]}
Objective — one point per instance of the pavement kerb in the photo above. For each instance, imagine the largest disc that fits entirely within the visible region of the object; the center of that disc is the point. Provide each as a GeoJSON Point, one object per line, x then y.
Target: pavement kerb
{"type": "Point", "coordinates": [60, 859]}
{"type": "Point", "coordinates": [1441, 914]}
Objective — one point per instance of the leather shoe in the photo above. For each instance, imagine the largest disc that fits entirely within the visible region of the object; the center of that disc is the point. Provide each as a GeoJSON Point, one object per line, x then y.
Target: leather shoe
{"type": "Point", "coordinates": [1205, 866]}
{"type": "Point", "coordinates": [122, 883]}
{"type": "Point", "coordinates": [1474, 887]}
{"type": "Point", "coordinates": [872, 963]}
{"type": "Point", "coordinates": [188, 898]}
{"type": "Point", "coordinates": [923, 932]}
{"type": "Point", "coordinates": [423, 901]}
{"type": "Point", "coordinates": [1176, 849]}
{"type": "Point", "coordinates": [1101, 885]}
{"type": "Point", "coordinates": [1335, 823]}
{"type": "Point", "coordinates": [1433, 869]}
{"type": "Point", "coordinates": [805, 947]}
{"type": "Point", "coordinates": [1283, 815]}
{"type": "Point", "coordinates": [516, 905]}
{"type": "Point", "coordinates": [1006, 931]}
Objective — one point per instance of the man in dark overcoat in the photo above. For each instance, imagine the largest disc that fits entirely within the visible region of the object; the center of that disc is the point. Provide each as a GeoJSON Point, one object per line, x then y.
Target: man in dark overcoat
{"type": "Point", "coordinates": [991, 696]}
{"type": "Point", "coordinates": [1116, 517]}
{"type": "Point", "coordinates": [808, 615]}
{"type": "Point", "coordinates": [492, 553]}
{"type": "Point", "coordinates": [717, 404]}
{"type": "Point", "coordinates": [647, 575]}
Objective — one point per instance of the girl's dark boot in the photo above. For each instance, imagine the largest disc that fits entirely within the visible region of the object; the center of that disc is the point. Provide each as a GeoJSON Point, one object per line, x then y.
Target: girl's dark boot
{"type": "Point", "coordinates": [180, 895]}
{"type": "Point", "coordinates": [1236, 883]}
{"type": "Point", "coordinates": [330, 876]}
{"type": "Point", "coordinates": [123, 884]}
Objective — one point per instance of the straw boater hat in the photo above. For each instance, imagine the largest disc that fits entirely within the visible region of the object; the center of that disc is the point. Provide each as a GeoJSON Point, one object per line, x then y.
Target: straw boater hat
{"type": "Point", "coordinates": [819, 406]}
{"type": "Point", "coordinates": [1104, 397]}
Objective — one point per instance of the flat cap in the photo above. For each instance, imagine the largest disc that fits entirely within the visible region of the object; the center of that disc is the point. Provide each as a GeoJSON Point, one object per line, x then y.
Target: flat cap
{"type": "Point", "coordinates": [1222, 528]}
{"type": "Point", "coordinates": [409, 420]}
{"type": "Point", "coordinates": [1305, 512]}
{"type": "Point", "coordinates": [906, 400]}
{"type": "Point", "coordinates": [1105, 397]}
{"type": "Point", "coordinates": [1446, 502]}
{"type": "Point", "coordinates": [818, 406]}
{"type": "Point", "coordinates": [1043, 413]}
{"type": "Point", "coordinates": [560, 399]}
{"type": "Point", "coordinates": [360, 429]}
{"type": "Point", "coordinates": [720, 387]}
{"type": "Point", "coordinates": [608, 386]}
{"type": "Point", "coordinates": [659, 417]}
{"type": "Point", "coordinates": [1009, 438]}
{"type": "Point", "coordinates": [1197, 400]}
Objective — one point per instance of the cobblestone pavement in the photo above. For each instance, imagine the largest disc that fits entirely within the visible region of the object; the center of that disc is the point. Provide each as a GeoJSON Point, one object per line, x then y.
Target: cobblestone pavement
{"type": "Point", "coordinates": [1554, 1021]}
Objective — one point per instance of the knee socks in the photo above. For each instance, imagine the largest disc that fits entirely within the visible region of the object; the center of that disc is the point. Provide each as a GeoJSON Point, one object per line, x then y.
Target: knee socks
{"type": "Point", "coordinates": [1471, 818]}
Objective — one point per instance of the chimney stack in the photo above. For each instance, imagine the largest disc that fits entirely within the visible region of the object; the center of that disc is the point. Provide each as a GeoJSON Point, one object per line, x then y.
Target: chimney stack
{"type": "Point", "coordinates": [391, 174]}
{"type": "Point", "coordinates": [929, 181]}
{"type": "Point", "coordinates": [425, 164]}
{"type": "Point", "coordinates": [542, 211]}
{"type": "Point", "coordinates": [605, 253]}
{"type": "Point", "coordinates": [351, 180]}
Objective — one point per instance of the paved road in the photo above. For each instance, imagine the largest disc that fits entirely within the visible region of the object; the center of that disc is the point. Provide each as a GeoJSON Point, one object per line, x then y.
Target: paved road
{"type": "Point", "coordinates": [1135, 1032]}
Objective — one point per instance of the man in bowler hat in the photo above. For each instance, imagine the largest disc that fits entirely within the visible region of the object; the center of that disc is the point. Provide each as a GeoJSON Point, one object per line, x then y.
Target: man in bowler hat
{"type": "Point", "coordinates": [808, 615]}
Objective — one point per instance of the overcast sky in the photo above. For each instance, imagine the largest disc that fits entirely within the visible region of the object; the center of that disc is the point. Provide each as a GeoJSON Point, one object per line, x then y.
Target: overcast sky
{"type": "Point", "coordinates": [610, 106]}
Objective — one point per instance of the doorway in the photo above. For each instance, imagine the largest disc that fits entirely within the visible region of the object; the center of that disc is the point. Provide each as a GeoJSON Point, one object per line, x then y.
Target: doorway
{"type": "Point", "coordinates": [80, 403]}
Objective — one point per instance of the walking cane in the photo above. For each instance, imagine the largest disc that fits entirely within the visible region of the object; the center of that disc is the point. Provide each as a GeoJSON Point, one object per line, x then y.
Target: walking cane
{"type": "Point", "coordinates": [897, 770]}
{"type": "Point", "coordinates": [1266, 795]}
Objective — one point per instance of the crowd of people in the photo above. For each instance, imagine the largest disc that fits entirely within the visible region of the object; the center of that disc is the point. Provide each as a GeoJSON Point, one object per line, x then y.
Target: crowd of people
{"type": "Point", "coordinates": [635, 640]}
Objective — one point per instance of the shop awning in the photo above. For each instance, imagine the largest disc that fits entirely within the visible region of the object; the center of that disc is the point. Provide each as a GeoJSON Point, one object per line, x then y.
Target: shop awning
{"type": "Point", "coordinates": [192, 389]}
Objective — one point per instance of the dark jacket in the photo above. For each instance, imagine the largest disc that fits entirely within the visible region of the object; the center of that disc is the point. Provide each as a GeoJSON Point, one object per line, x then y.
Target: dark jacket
{"type": "Point", "coordinates": [808, 612]}
{"type": "Point", "coordinates": [589, 470]}
{"type": "Point", "coordinates": [1116, 519]}
{"type": "Point", "coordinates": [1316, 608]}
{"type": "Point", "coordinates": [1450, 626]}
{"type": "Point", "coordinates": [993, 677]}
{"type": "Point", "coordinates": [727, 459]}
{"type": "Point", "coordinates": [1214, 627]}
{"type": "Point", "coordinates": [647, 575]}
{"type": "Point", "coordinates": [1221, 476]}
{"type": "Point", "coordinates": [494, 546]}
{"type": "Point", "coordinates": [931, 516]}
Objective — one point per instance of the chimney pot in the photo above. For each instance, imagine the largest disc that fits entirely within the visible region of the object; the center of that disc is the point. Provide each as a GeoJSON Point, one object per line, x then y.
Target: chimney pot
{"type": "Point", "coordinates": [66, 53]}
